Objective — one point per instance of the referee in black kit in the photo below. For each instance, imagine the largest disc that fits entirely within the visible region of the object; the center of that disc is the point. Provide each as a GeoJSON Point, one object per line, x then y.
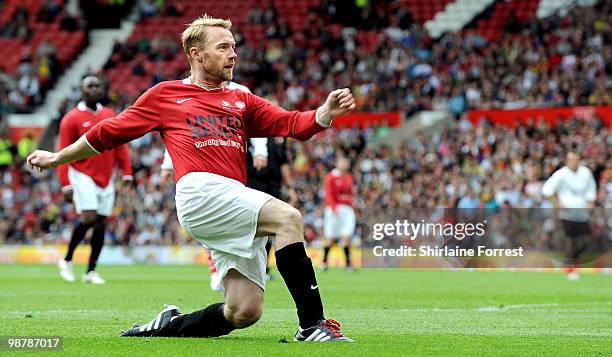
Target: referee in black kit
{"type": "Point", "coordinates": [267, 171]}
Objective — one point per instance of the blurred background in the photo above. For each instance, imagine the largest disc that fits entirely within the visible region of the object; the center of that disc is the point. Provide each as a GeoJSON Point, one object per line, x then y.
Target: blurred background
{"type": "Point", "coordinates": [470, 103]}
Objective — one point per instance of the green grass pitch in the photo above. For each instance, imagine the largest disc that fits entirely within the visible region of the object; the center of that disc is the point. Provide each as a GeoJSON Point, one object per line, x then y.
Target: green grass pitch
{"type": "Point", "coordinates": [387, 312]}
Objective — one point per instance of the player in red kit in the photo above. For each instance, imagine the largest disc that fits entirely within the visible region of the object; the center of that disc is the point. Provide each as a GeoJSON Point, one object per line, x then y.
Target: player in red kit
{"type": "Point", "coordinates": [89, 182]}
{"type": "Point", "coordinates": [205, 126]}
{"type": "Point", "coordinates": [339, 216]}
{"type": "Point", "coordinates": [166, 175]}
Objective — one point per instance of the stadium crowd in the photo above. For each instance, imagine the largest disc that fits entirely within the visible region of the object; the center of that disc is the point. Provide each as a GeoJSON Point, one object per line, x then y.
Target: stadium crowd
{"type": "Point", "coordinates": [38, 69]}
{"type": "Point", "coordinates": [392, 64]}
{"type": "Point", "coordinates": [462, 166]}
{"type": "Point", "coordinates": [389, 61]}
{"type": "Point", "coordinates": [547, 62]}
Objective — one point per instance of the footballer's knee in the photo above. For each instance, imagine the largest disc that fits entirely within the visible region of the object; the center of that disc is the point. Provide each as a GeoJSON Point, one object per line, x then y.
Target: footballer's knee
{"type": "Point", "coordinates": [282, 220]}
{"type": "Point", "coordinates": [346, 241]}
{"type": "Point", "coordinates": [243, 300]}
{"type": "Point", "coordinates": [244, 313]}
{"type": "Point", "coordinates": [291, 220]}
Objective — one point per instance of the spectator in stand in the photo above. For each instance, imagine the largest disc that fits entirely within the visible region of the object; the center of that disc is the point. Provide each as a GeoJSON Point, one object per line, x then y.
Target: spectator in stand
{"type": "Point", "coordinates": [7, 150]}
{"type": "Point", "coordinates": [48, 11]}
{"type": "Point", "coordinates": [148, 8]}
{"type": "Point", "coordinates": [26, 145]}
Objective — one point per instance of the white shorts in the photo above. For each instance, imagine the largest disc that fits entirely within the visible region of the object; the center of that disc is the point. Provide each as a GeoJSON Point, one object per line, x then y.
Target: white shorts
{"type": "Point", "coordinates": [87, 196]}
{"type": "Point", "coordinates": [339, 224]}
{"type": "Point", "coordinates": [222, 214]}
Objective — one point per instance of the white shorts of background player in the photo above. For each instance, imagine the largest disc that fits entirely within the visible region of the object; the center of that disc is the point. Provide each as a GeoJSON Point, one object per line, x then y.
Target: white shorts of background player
{"type": "Point", "coordinates": [339, 224]}
{"type": "Point", "coordinates": [87, 196]}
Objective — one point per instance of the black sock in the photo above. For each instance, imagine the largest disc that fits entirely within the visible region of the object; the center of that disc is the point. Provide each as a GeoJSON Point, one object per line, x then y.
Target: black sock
{"type": "Point", "coordinates": [208, 322]}
{"type": "Point", "coordinates": [77, 236]}
{"type": "Point", "coordinates": [326, 253]}
{"type": "Point", "coordinates": [97, 242]}
{"type": "Point", "coordinates": [296, 269]}
{"type": "Point", "coordinates": [347, 254]}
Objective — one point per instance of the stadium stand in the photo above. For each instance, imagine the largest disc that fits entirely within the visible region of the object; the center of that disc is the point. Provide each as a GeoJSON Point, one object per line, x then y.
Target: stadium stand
{"type": "Point", "coordinates": [38, 39]}
{"type": "Point", "coordinates": [509, 15]}
{"type": "Point", "coordinates": [424, 10]}
{"type": "Point", "coordinates": [455, 16]}
{"type": "Point", "coordinates": [396, 69]}
{"type": "Point", "coordinates": [392, 66]}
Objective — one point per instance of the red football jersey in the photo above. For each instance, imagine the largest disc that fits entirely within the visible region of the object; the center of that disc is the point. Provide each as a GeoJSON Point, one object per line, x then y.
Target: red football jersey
{"type": "Point", "coordinates": [100, 168]}
{"type": "Point", "coordinates": [338, 189]}
{"type": "Point", "coordinates": [203, 130]}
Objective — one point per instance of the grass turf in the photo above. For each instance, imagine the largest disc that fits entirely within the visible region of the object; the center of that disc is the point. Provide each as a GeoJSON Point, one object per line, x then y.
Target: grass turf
{"type": "Point", "coordinates": [387, 312]}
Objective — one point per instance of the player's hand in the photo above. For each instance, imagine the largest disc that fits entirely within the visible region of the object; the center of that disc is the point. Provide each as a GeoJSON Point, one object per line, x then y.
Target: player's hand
{"type": "Point", "coordinates": [41, 160]}
{"type": "Point", "coordinates": [126, 183]}
{"type": "Point", "coordinates": [338, 102]}
{"type": "Point", "coordinates": [260, 162]}
{"type": "Point", "coordinates": [67, 192]}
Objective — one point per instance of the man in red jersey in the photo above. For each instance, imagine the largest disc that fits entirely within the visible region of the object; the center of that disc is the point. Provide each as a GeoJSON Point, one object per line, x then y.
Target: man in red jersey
{"type": "Point", "coordinates": [205, 126]}
{"type": "Point", "coordinates": [89, 182]}
{"type": "Point", "coordinates": [339, 216]}
{"type": "Point", "coordinates": [166, 175]}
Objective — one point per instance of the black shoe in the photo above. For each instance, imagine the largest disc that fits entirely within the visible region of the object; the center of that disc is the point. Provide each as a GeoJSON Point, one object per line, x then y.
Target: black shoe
{"type": "Point", "coordinates": [155, 326]}
{"type": "Point", "coordinates": [324, 331]}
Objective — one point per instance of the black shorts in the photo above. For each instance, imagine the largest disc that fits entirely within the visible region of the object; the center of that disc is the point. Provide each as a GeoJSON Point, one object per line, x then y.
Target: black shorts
{"type": "Point", "coordinates": [576, 229]}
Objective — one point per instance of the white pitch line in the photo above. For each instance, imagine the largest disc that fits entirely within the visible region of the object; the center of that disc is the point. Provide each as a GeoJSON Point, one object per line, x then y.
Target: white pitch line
{"type": "Point", "coordinates": [558, 306]}
{"type": "Point", "coordinates": [480, 309]}
{"type": "Point", "coordinates": [539, 306]}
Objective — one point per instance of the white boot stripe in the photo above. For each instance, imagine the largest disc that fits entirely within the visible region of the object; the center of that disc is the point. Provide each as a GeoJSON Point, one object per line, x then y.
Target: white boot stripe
{"type": "Point", "coordinates": [150, 325]}
{"type": "Point", "coordinates": [142, 328]}
{"type": "Point", "coordinates": [325, 338]}
{"type": "Point", "coordinates": [158, 319]}
{"type": "Point", "coordinates": [313, 335]}
{"type": "Point", "coordinates": [321, 335]}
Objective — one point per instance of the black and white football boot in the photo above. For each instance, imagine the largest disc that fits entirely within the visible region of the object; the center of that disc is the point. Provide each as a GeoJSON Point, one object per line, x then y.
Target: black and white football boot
{"type": "Point", "coordinates": [324, 331]}
{"type": "Point", "coordinates": [156, 326]}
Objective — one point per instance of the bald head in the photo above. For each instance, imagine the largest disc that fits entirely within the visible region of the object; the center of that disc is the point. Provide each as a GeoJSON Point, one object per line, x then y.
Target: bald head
{"type": "Point", "coordinates": [92, 89]}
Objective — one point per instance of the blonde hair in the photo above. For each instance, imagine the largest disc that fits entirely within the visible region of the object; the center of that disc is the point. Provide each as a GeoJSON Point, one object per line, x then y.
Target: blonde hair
{"type": "Point", "coordinates": [196, 35]}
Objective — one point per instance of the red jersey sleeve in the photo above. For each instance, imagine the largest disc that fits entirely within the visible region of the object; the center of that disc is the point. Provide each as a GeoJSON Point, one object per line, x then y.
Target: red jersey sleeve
{"type": "Point", "coordinates": [267, 120]}
{"type": "Point", "coordinates": [122, 157]}
{"type": "Point", "coordinates": [142, 117]}
{"type": "Point", "coordinates": [330, 194]}
{"type": "Point", "coordinates": [68, 134]}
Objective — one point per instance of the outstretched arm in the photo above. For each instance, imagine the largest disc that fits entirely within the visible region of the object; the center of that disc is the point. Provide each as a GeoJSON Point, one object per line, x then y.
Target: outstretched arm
{"type": "Point", "coordinates": [137, 120]}
{"type": "Point", "coordinates": [78, 150]}
{"type": "Point", "coordinates": [267, 120]}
